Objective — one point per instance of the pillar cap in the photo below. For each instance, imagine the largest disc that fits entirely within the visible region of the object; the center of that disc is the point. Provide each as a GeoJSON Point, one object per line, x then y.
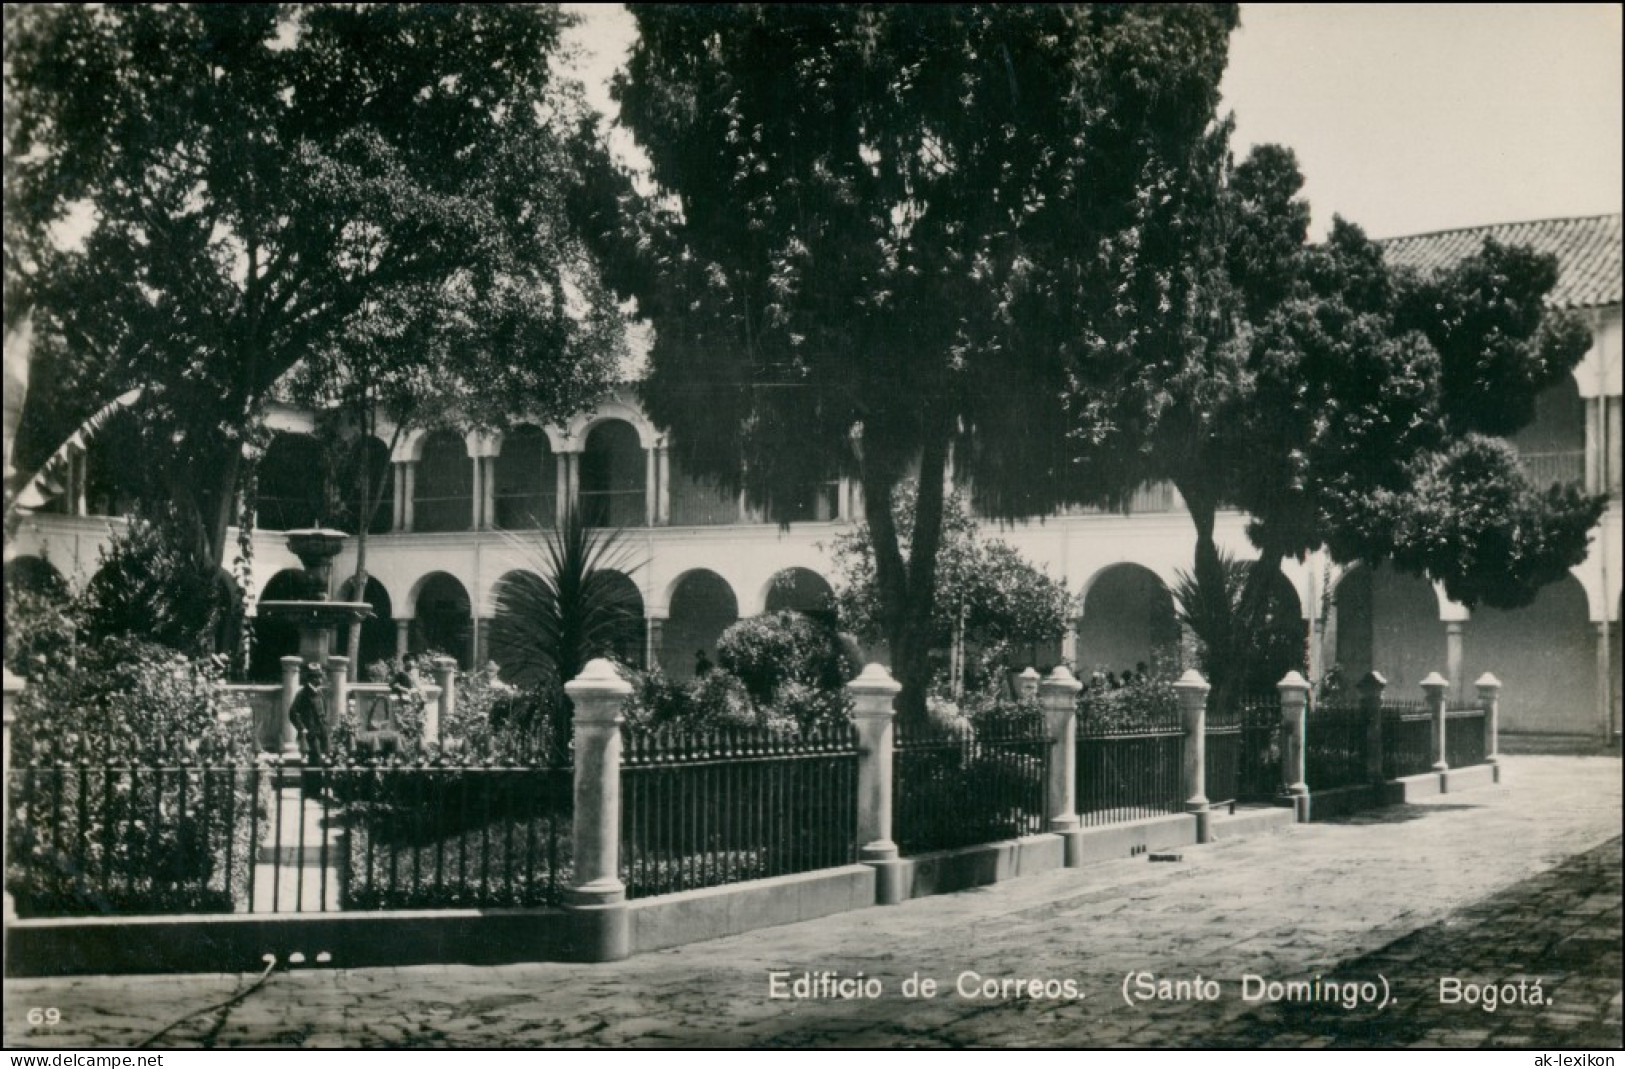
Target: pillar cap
{"type": "Point", "coordinates": [1434, 679]}
{"type": "Point", "coordinates": [1061, 678]}
{"type": "Point", "coordinates": [445, 664]}
{"type": "Point", "coordinates": [598, 678]}
{"type": "Point", "coordinates": [1192, 681]}
{"type": "Point", "coordinates": [874, 679]}
{"type": "Point", "coordinates": [1372, 679]}
{"type": "Point", "coordinates": [1487, 681]}
{"type": "Point", "coordinates": [1293, 680]}
{"type": "Point", "coordinates": [292, 659]}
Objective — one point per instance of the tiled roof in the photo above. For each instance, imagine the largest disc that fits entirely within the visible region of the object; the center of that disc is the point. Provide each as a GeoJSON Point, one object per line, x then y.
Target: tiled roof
{"type": "Point", "coordinates": [1587, 249]}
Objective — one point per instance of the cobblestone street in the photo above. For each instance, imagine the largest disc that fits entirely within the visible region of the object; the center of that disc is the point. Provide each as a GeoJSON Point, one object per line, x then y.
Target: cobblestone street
{"type": "Point", "coordinates": [1520, 881]}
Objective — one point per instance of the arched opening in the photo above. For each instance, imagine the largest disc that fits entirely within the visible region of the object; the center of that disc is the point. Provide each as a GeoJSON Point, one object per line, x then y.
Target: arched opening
{"type": "Point", "coordinates": [443, 622]}
{"type": "Point", "coordinates": [1552, 446]}
{"type": "Point", "coordinates": [1128, 620]}
{"type": "Point", "coordinates": [702, 607]}
{"type": "Point", "coordinates": [291, 477]}
{"type": "Point", "coordinates": [803, 590]}
{"type": "Point", "coordinates": [274, 638]}
{"type": "Point", "coordinates": [526, 625]}
{"type": "Point", "coordinates": [35, 575]}
{"type": "Point", "coordinates": [444, 496]}
{"type": "Point", "coordinates": [525, 491]}
{"type": "Point", "coordinates": [377, 632]}
{"type": "Point", "coordinates": [613, 477]}
{"type": "Point", "coordinates": [1545, 655]}
{"type": "Point", "coordinates": [1388, 623]}
{"type": "Point", "coordinates": [380, 485]}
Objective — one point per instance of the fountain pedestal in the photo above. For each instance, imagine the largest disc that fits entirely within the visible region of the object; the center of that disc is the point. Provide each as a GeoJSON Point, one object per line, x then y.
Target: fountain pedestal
{"type": "Point", "coordinates": [312, 613]}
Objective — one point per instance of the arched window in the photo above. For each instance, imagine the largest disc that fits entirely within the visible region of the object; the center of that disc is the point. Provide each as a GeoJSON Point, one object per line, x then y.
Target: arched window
{"type": "Point", "coordinates": [613, 476]}
{"type": "Point", "coordinates": [444, 498]}
{"type": "Point", "coordinates": [291, 474]}
{"type": "Point", "coordinates": [443, 621]}
{"type": "Point", "coordinates": [377, 632]}
{"type": "Point", "coordinates": [525, 490]}
{"type": "Point", "coordinates": [276, 638]}
{"type": "Point", "coordinates": [380, 485]}
{"type": "Point", "coordinates": [803, 590]}
{"type": "Point", "coordinates": [702, 607]}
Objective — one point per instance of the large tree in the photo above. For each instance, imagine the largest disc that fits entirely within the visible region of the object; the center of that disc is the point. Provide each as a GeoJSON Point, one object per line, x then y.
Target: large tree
{"type": "Point", "coordinates": [1338, 402]}
{"type": "Point", "coordinates": [200, 198]}
{"type": "Point", "coordinates": [878, 232]}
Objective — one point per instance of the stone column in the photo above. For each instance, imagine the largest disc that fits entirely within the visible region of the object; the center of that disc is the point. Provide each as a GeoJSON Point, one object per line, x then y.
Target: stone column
{"type": "Point", "coordinates": [439, 714]}
{"type": "Point", "coordinates": [562, 501]}
{"type": "Point", "coordinates": [482, 643]}
{"type": "Point", "coordinates": [653, 637]}
{"type": "Point", "coordinates": [1059, 696]}
{"type": "Point", "coordinates": [1192, 690]}
{"type": "Point", "coordinates": [596, 891]}
{"type": "Point", "coordinates": [477, 494]}
{"type": "Point", "coordinates": [1606, 680]}
{"type": "Point", "coordinates": [338, 689]}
{"type": "Point", "coordinates": [1069, 645]}
{"type": "Point", "coordinates": [290, 688]}
{"type": "Point", "coordinates": [408, 499]}
{"type": "Point", "coordinates": [663, 471]}
{"type": "Point", "coordinates": [403, 638]}
{"type": "Point", "coordinates": [1434, 687]}
{"type": "Point", "coordinates": [1489, 696]}
{"type": "Point", "coordinates": [1294, 691]}
{"type": "Point", "coordinates": [651, 488]}
{"type": "Point", "coordinates": [1453, 632]}
{"type": "Point", "coordinates": [1371, 686]}
{"type": "Point", "coordinates": [572, 466]}
{"type": "Point", "coordinates": [872, 694]}
{"type": "Point", "coordinates": [488, 498]}
{"type": "Point", "coordinates": [397, 519]}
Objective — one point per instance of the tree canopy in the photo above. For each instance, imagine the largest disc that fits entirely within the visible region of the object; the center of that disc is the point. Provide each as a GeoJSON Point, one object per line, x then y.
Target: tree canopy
{"type": "Point", "coordinates": [878, 231]}
{"type": "Point", "coordinates": [381, 193]}
{"type": "Point", "coordinates": [1337, 401]}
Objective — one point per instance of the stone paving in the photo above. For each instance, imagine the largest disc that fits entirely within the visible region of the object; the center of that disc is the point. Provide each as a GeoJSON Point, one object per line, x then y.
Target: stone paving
{"type": "Point", "coordinates": [1516, 881]}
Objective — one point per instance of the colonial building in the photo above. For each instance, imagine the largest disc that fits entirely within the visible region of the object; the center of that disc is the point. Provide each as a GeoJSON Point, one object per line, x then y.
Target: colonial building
{"type": "Point", "coordinates": [460, 509]}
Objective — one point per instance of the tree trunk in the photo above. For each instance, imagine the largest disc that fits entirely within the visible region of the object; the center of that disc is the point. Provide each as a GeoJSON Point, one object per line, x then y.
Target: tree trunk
{"type": "Point", "coordinates": [908, 589]}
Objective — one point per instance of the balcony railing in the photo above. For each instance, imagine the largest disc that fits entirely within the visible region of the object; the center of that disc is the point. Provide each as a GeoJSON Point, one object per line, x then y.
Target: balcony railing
{"type": "Point", "coordinates": [1549, 468]}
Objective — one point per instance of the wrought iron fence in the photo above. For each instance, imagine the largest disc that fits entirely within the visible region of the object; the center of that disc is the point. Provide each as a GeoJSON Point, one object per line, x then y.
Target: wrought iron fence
{"type": "Point", "coordinates": [443, 837]}
{"type": "Point", "coordinates": [1128, 772]}
{"type": "Point", "coordinates": [978, 781]}
{"type": "Point", "coordinates": [89, 839]}
{"type": "Point", "coordinates": [701, 810]}
{"type": "Point", "coordinates": [1244, 751]}
{"type": "Point", "coordinates": [1407, 740]}
{"type": "Point", "coordinates": [107, 839]}
{"type": "Point", "coordinates": [1335, 745]}
{"type": "Point", "coordinates": [1464, 736]}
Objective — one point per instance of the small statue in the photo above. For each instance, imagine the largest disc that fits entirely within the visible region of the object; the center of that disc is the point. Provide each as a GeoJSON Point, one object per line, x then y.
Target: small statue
{"type": "Point", "coordinates": [309, 718]}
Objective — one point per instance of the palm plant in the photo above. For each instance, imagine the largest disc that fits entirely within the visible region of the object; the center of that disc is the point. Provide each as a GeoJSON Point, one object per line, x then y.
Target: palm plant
{"type": "Point", "coordinates": [572, 604]}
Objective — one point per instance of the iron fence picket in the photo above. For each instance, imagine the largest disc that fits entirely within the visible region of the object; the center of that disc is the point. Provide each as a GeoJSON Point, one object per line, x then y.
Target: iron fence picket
{"type": "Point", "coordinates": [976, 782]}
{"type": "Point", "coordinates": [705, 809]}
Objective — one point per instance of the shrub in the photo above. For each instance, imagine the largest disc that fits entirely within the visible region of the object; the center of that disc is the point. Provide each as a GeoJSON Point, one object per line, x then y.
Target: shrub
{"type": "Point", "coordinates": [1143, 704]}
{"type": "Point", "coordinates": [772, 649]}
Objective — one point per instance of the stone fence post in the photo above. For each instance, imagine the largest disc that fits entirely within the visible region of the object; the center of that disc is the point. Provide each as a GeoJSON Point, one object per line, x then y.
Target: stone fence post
{"type": "Point", "coordinates": [1193, 690]}
{"type": "Point", "coordinates": [1371, 686]}
{"type": "Point", "coordinates": [1435, 686]}
{"type": "Point", "coordinates": [338, 689]}
{"type": "Point", "coordinates": [872, 695]}
{"type": "Point", "coordinates": [437, 716]}
{"type": "Point", "coordinates": [290, 689]}
{"type": "Point", "coordinates": [596, 892]}
{"type": "Point", "coordinates": [1294, 691]}
{"type": "Point", "coordinates": [1058, 694]}
{"type": "Point", "coordinates": [1489, 696]}
{"type": "Point", "coordinates": [1027, 684]}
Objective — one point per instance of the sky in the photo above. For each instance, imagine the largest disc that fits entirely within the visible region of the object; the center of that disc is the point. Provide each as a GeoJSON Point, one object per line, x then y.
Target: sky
{"type": "Point", "coordinates": [1404, 119]}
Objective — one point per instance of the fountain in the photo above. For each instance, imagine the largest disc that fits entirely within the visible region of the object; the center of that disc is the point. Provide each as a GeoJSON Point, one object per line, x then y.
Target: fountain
{"type": "Point", "coordinates": [314, 615]}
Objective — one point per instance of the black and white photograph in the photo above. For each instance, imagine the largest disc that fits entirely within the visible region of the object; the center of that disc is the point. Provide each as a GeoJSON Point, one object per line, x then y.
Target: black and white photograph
{"type": "Point", "coordinates": [809, 526]}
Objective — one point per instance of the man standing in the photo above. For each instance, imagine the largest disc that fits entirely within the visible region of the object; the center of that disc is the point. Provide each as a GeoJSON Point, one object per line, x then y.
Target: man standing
{"type": "Point", "coordinates": [309, 717]}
